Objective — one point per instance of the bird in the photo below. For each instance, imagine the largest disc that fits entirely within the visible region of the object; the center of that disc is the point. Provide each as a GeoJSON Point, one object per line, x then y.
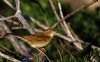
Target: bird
{"type": "Point", "coordinates": [40, 39]}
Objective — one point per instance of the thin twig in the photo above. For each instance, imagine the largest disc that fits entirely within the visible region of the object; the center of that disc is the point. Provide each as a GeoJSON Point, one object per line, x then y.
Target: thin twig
{"type": "Point", "coordinates": [65, 25]}
{"type": "Point", "coordinates": [67, 50]}
{"type": "Point", "coordinates": [8, 57]}
{"type": "Point", "coordinates": [44, 54]}
{"type": "Point", "coordinates": [10, 19]}
{"type": "Point", "coordinates": [54, 10]}
{"type": "Point", "coordinates": [9, 4]}
{"type": "Point", "coordinates": [60, 55]}
{"type": "Point", "coordinates": [7, 18]}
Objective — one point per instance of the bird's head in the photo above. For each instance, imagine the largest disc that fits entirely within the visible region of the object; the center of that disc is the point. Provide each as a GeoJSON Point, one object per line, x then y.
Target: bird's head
{"type": "Point", "coordinates": [49, 32]}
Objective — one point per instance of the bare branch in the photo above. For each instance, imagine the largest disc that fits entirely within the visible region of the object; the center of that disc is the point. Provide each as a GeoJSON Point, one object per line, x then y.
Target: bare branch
{"type": "Point", "coordinates": [54, 10]}
{"type": "Point", "coordinates": [8, 57]}
{"type": "Point", "coordinates": [7, 18]}
{"type": "Point", "coordinates": [9, 4]}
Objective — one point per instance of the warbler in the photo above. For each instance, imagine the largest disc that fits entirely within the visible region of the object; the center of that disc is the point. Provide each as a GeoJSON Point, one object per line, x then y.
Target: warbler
{"type": "Point", "coordinates": [39, 39]}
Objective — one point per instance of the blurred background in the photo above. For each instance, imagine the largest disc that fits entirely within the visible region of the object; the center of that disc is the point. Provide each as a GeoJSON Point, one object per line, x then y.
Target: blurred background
{"type": "Point", "coordinates": [86, 24]}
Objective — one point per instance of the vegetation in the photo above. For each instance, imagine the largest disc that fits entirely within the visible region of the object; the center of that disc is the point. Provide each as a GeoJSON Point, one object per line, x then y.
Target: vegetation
{"type": "Point", "coordinates": [85, 24]}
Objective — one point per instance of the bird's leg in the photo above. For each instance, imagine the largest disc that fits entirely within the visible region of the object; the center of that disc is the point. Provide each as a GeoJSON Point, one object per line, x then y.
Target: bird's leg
{"type": "Point", "coordinates": [42, 49]}
{"type": "Point", "coordinates": [42, 54]}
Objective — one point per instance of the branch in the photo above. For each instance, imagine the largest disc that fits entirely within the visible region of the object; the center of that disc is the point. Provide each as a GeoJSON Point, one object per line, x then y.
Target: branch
{"type": "Point", "coordinates": [8, 57]}
{"type": "Point", "coordinates": [65, 25]}
{"type": "Point", "coordinates": [54, 10]}
{"type": "Point", "coordinates": [9, 4]}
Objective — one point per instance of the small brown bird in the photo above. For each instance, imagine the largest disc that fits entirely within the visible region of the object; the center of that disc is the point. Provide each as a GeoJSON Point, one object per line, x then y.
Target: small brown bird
{"type": "Point", "coordinates": [40, 39]}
